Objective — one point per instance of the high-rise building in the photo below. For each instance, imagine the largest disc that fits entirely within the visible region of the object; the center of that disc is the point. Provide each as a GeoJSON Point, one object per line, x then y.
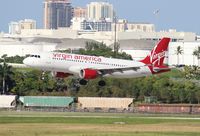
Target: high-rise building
{"type": "Point", "coordinates": [100, 11]}
{"type": "Point", "coordinates": [79, 12]}
{"type": "Point", "coordinates": [57, 13]}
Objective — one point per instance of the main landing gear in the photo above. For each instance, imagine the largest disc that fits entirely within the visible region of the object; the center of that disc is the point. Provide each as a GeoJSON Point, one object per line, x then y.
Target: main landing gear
{"type": "Point", "coordinates": [83, 81]}
{"type": "Point", "coordinates": [101, 83]}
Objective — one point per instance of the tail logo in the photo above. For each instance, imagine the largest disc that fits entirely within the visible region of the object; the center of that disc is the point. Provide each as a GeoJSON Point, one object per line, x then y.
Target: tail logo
{"type": "Point", "coordinates": [156, 57]}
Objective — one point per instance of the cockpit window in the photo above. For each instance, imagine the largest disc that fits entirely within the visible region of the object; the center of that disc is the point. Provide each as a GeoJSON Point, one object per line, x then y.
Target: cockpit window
{"type": "Point", "coordinates": [35, 56]}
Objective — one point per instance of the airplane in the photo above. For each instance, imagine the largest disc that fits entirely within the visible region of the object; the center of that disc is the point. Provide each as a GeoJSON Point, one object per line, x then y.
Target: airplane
{"type": "Point", "coordinates": [91, 67]}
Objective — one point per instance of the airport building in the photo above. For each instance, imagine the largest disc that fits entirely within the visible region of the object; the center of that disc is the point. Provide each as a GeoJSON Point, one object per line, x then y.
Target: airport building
{"type": "Point", "coordinates": [102, 25]}
{"type": "Point", "coordinates": [140, 27]}
{"type": "Point", "coordinates": [123, 25]}
{"type": "Point", "coordinates": [81, 24]}
{"type": "Point", "coordinates": [13, 47]}
{"type": "Point", "coordinates": [106, 36]}
{"type": "Point", "coordinates": [187, 56]}
{"type": "Point", "coordinates": [57, 13]}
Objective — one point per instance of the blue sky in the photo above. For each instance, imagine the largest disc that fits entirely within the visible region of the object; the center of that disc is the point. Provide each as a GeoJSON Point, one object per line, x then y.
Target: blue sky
{"type": "Point", "coordinates": [183, 15]}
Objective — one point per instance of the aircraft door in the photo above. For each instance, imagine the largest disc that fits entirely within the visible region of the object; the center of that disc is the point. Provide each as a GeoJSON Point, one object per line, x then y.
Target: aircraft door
{"type": "Point", "coordinates": [48, 63]}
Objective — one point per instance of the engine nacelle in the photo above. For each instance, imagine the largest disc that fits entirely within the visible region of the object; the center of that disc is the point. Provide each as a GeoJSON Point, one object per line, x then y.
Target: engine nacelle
{"type": "Point", "coordinates": [61, 74]}
{"type": "Point", "coordinates": [89, 74]}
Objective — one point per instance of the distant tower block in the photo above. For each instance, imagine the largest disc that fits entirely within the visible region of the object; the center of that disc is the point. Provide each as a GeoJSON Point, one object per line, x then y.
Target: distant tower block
{"type": "Point", "coordinates": [79, 12]}
{"type": "Point", "coordinates": [57, 13]}
{"type": "Point", "coordinates": [100, 11]}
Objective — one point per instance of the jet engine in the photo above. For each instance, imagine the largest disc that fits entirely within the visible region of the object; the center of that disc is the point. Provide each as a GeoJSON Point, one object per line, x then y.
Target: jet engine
{"type": "Point", "coordinates": [89, 74]}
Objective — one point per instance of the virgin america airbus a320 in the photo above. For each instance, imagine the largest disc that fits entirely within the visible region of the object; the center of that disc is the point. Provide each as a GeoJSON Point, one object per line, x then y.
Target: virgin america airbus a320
{"type": "Point", "coordinates": [91, 67]}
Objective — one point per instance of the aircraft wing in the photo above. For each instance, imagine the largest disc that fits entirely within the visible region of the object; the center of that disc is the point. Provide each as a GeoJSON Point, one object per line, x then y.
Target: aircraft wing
{"type": "Point", "coordinates": [104, 71]}
{"type": "Point", "coordinates": [15, 65]}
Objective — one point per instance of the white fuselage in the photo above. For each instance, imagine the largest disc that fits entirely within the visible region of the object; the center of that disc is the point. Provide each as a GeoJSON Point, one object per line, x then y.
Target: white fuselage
{"type": "Point", "coordinates": [74, 63]}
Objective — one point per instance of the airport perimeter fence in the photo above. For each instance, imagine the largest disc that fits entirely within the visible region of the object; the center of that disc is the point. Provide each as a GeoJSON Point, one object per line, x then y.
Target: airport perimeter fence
{"type": "Point", "coordinates": [169, 108]}
{"type": "Point", "coordinates": [91, 104]}
{"type": "Point", "coordinates": [74, 109]}
{"type": "Point", "coordinates": [141, 109]}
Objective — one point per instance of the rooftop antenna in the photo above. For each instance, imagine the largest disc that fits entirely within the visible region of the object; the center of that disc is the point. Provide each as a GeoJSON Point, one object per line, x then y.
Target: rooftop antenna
{"type": "Point", "coordinates": [115, 38]}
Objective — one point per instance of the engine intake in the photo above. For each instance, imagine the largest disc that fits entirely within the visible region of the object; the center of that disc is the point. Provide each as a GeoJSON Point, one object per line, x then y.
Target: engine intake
{"type": "Point", "coordinates": [89, 74]}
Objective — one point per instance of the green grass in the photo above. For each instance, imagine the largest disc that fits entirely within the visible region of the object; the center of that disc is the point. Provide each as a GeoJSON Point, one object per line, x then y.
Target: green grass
{"type": "Point", "coordinates": [94, 120]}
{"type": "Point", "coordinates": [135, 134]}
{"type": "Point", "coordinates": [96, 124]}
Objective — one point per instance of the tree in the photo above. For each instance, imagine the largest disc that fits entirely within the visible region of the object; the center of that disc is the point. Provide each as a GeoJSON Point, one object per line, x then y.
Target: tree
{"type": "Point", "coordinates": [192, 72]}
{"type": "Point", "coordinates": [179, 93]}
{"type": "Point", "coordinates": [19, 87]}
{"type": "Point", "coordinates": [178, 52]}
{"type": "Point", "coordinates": [12, 59]}
{"type": "Point", "coordinates": [190, 91]}
{"type": "Point", "coordinates": [197, 94]}
{"type": "Point", "coordinates": [100, 49]}
{"type": "Point", "coordinates": [196, 53]}
{"type": "Point", "coordinates": [6, 74]}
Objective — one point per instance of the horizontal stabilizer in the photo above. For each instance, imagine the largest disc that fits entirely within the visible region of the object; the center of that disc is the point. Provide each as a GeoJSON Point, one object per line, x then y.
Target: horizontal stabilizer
{"type": "Point", "coordinates": [161, 68]}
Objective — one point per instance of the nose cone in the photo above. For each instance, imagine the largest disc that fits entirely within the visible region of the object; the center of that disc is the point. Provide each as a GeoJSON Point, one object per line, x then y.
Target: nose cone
{"type": "Point", "coordinates": [27, 61]}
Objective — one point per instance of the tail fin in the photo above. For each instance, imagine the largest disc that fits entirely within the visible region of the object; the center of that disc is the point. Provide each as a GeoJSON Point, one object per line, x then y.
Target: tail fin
{"type": "Point", "coordinates": [157, 55]}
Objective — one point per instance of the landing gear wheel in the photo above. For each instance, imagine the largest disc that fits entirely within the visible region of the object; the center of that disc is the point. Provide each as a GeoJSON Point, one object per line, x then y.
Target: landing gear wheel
{"type": "Point", "coordinates": [83, 82]}
{"type": "Point", "coordinates": [101, 83]}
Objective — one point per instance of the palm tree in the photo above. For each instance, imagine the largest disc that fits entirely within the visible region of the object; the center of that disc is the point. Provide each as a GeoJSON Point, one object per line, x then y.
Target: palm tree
{"type": "Point", "coordinates": [179, 51]}
{"type": "Point", "coordinates": [5, 74]}
{"type": "Point", "coordinates": [196, 53]}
